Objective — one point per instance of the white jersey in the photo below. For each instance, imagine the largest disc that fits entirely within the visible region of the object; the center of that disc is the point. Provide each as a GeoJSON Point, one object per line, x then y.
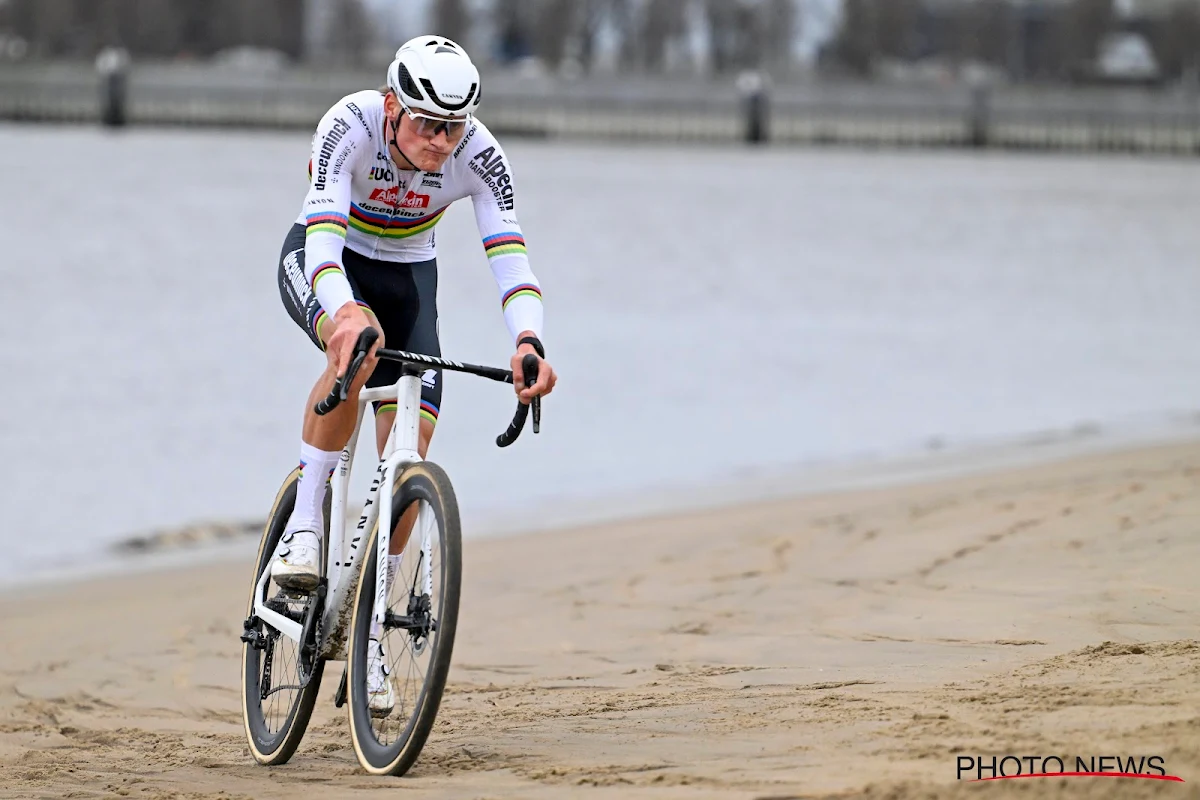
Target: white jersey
{"type": "Point", "coordinates": [357, 198]}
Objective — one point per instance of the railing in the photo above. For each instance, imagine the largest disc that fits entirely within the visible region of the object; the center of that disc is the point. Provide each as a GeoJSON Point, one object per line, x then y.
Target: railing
{"type": "Point", "coordinates": [630, 107]}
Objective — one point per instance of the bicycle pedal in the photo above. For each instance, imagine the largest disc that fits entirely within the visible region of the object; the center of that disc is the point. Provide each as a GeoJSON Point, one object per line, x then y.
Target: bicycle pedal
{"type": "Point", "coordinates": [251, 635]}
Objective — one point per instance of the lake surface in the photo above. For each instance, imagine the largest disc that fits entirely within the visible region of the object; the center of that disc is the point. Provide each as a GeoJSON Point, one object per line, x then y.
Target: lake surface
{"type": "Point", "coordinates": [713, 313]}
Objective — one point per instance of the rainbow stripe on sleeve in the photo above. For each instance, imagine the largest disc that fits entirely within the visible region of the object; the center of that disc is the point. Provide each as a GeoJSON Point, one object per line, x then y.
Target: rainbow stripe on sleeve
{"type": "Point", "coordinates": [524, 290]}
{"type": "Point", "coordinates": [319, 320]}
{"type": "Point", "coordinates": [326, 222]}
{"type": "Point", "coordinates": [504, 244]}
{"type": "Point", "coordinates": [328, 268]}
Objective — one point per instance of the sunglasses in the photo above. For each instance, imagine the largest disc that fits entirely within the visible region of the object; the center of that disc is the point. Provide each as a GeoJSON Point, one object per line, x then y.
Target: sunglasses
{"type": "Point", "coordinates": [428, 127]}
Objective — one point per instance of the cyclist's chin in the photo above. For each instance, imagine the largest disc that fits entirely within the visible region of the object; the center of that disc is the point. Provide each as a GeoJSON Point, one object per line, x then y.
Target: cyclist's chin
{"type": "Point", "coordinates": [432, 161]}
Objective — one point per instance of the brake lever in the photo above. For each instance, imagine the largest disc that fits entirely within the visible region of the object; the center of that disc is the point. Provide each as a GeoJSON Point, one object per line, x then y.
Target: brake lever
{"type": "Point", "coordinates": [341, 387]}
{"type": "Point", "coordinates": [529, 369]}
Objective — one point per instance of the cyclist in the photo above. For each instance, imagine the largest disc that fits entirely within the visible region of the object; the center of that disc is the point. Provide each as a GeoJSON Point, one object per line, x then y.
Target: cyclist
{"type": "Point", "coordinates": [385, 166]}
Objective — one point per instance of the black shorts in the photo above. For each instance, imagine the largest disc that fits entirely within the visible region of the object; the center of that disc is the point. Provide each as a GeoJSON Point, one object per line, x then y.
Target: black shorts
{"type": "Point", "coordinates": [403, 298]}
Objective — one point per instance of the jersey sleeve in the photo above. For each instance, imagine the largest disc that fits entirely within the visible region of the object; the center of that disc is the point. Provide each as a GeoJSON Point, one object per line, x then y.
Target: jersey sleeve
{"type": "Point", "coordinates": [503, 241]}
{"type": "Point", "coordinates": [335, 147]}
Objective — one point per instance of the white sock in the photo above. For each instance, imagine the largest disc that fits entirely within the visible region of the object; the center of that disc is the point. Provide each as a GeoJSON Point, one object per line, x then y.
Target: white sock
{"type": "Point", "coordinates": [316, 467]}
{"type": "Point", "coordinates": [393, 568]}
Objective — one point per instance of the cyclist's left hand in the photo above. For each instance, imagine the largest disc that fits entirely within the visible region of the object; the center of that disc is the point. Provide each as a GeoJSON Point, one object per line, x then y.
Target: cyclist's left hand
{"type": "Point", "coordinates": [545, 380]}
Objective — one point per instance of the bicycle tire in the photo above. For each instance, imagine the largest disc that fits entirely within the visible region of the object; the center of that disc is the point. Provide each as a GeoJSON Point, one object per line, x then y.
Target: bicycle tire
{"type": "Point", "coordinates": [274, 748]}
{"type": "Point", "coordinates": [420, 482]}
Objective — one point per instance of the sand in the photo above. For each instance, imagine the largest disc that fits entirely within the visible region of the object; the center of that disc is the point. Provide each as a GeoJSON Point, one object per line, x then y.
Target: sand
{"type": "Point", "coordinates": [851, 644]}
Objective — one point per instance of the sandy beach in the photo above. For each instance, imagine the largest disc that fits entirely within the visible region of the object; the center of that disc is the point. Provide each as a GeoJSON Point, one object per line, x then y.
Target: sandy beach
{"type": "Point", "coordinates": [851, 644]}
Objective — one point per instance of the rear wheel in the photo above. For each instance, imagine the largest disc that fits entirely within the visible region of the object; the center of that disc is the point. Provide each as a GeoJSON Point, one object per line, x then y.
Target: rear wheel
{"type": "Point", "coordinates": [416, 638]}
{"type": "Point", "coordinates": [280, 677]}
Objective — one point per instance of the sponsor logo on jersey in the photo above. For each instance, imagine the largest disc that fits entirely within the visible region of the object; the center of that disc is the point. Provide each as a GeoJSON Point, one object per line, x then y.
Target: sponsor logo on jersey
{"type": "Point", "coordinates": [336, 134]}
{"type": "Point", "coordinates": [414, 200]}
{"type": "Point", "coordinates": [389, 195]}
{"type": "Point", "coordinates": [489, 165]}
{"type": "Point", "coordinates": [466, 139]}
{"type": "Point", "coordinates": [433, 179]}
{"type": "Point", "coordinates": [355, 110]}
{"type": "Point", "coordinates": [341, 161]}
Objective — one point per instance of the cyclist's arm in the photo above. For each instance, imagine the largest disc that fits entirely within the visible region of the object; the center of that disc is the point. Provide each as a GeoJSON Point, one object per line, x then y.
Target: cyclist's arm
{"type": "Point", "coordinates": [504, 243]}
{"type": "Point", "coordinates": [327, 207]}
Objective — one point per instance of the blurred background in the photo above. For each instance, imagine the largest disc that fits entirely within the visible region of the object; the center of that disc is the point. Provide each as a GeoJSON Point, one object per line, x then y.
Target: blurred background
{"type": "Point", "coordinates": [784, 245]}
{"type": "Point", "coordinates": [1032, 73]}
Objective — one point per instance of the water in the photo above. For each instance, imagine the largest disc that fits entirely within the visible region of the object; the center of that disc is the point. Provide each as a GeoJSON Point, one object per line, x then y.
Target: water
{"type": "Point", "coordinates": [712, 313]}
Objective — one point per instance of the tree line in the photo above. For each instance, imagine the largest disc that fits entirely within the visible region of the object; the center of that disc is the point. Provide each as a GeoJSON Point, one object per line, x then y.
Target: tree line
{"type": "Point", "coordinates": [157, 28]}
{"type": "Point", "coordinates": [1042, 41]}
{"type": "Point", "coordinates": [740, 33]}
{"type": "Point", "coordinates": [1029, 41]}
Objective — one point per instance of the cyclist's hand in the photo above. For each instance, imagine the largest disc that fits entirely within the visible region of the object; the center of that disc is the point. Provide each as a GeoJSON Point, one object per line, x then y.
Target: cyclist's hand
{"type": "Point", "coordinates": [351, 320]}
{"type": "Point", "coordinates": [545, 380]}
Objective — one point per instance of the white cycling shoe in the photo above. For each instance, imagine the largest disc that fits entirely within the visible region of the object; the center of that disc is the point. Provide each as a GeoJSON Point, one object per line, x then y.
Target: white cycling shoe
{"type": "Point", "coordinates": [297, 564]}
{"type": "Point", "coordinates": [381, 696]}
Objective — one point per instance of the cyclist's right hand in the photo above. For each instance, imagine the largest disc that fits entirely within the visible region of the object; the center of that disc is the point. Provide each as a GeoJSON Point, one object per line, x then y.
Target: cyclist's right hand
{"type": "Point", "coordinates": [351, 321]}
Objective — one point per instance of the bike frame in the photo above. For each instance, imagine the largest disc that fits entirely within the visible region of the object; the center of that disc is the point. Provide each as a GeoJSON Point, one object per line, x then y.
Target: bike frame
{"type": "Point", "coordinates": [339, 586]}
{"type": "Point", "coordinates": [341, 577]}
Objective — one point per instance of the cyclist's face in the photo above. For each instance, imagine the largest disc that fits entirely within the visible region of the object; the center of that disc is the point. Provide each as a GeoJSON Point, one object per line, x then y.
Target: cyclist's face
{"type": "Point", "coordinates": [427, 149]}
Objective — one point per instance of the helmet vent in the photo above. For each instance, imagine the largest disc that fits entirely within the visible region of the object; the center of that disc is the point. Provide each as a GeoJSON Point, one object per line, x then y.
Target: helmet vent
{"type": "Point", "coordinates": [444, 50]}
{"type": "Point", "coordinates": [407, 84]}
{"type": "Point", "coordinates": [452, 107]}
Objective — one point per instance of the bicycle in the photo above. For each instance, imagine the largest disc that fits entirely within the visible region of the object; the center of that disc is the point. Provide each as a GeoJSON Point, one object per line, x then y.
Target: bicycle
{"type": "Point", "coordinates": [297, 633]}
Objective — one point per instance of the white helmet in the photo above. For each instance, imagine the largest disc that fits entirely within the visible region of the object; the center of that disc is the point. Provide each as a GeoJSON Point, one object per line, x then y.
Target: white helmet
{"type": "Point", "coordinates": [435, 75]}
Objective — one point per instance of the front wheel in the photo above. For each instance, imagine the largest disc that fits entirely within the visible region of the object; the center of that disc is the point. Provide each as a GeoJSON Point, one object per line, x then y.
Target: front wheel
{"type": "Point", "coordinates": [398, 666]}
